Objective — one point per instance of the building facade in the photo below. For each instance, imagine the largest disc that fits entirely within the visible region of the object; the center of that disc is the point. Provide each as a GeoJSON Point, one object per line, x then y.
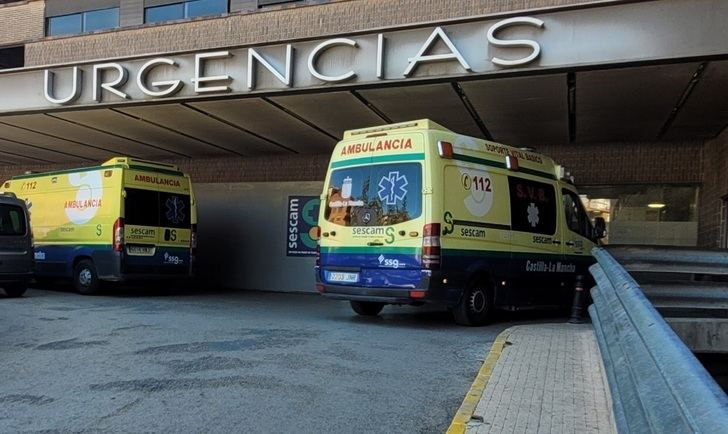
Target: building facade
{"type": "Point", "coordinates": [631, 96]}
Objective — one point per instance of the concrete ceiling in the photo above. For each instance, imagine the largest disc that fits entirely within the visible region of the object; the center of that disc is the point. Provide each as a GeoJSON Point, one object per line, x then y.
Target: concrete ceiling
{"type": "Point", "coordinates": [646, 103]}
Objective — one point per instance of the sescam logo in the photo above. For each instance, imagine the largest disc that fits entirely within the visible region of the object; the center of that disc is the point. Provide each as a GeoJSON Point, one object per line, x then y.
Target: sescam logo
{"type": "Point", "coordinates": [382, 145]}
{"type": "Point", "coordinates": [88, 196]}
{"type": "Point", "coordinates": [157, 181]}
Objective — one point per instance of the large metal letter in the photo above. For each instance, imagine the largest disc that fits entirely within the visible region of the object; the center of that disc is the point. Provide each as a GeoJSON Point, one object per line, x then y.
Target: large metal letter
{"type": "Point", "coordinates": [123, 74]}
{"type": "Point", "coordinates": [421, 57]}
{"type": "Point", "coordinates": [325, 46]}
{"type": "Point", "coordinates": [516, 42]}
{"type": "Point", "coordinates": [49, 86]}
{"type": "Point", "coordinates": [254, 55]}
{"type": "Point", "coordinates": [199, 78]}
{"type": "Point", "coordinates": [174, 85]}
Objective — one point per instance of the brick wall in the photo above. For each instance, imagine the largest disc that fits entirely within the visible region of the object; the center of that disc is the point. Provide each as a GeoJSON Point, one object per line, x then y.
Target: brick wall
{"type": "Point", "coordinates": [214, 170]}
{"type": "Point", "coordinates": [21, 22]}
{"type": "Point", "coordinates": [268, 26]}
{"type": "Point", "coordinates": [715, 186]}
{"type": "Point", "coordinates": [631, 163]}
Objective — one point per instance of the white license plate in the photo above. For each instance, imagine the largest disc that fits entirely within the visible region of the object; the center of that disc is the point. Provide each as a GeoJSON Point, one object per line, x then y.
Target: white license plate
{"type": "Point", "coordinates": [140, 250]}
{"type": "Point", "coordinates": [338, 276]}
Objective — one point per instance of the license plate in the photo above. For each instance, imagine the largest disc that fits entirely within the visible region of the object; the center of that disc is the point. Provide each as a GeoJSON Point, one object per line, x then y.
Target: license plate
{"type": "Point", "coordinates": [338, 276]}
{"type": "Point", "coordinates": [140, 250]}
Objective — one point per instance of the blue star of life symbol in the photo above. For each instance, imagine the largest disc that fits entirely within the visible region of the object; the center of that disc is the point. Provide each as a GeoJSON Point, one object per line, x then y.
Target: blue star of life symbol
{"type": "Point", "coordinates": [175, 210]}
{"type": "Point", "coordinates": [392, 188]}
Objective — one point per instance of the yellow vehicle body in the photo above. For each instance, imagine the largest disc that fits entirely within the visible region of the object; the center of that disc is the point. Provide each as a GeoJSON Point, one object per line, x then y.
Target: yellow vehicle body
{"type": "Point", "coordinates": [130, 218]}
{"type": "Point", "coordinates": [413, 212]}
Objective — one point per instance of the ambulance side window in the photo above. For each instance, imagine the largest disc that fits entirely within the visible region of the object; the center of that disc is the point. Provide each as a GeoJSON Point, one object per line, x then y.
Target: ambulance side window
{"type": "Point", "coordinates": [533, 206]}
{"type": "Point", "coordinates": [576, 218]}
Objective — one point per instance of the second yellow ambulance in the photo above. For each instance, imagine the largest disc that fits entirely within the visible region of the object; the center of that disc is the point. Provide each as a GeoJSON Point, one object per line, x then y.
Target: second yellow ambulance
{"type": "Point", "coordinates": [414, 213]}
{"type": "Point", "coordinates": [126, 218]}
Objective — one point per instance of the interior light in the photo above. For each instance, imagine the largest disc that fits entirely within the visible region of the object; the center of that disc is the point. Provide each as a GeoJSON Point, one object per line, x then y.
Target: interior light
{"type": "Point", "coordinates": [655, 205]}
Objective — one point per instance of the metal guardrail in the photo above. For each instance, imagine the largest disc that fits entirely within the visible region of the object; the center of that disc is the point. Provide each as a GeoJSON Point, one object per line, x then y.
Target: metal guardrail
{"type": "Point", "coordinates": [657, 384]}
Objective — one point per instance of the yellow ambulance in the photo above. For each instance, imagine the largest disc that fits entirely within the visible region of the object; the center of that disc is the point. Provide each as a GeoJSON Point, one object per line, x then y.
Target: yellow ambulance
{"type": "Point", "coordinates": [414, 213]}
{"type": "Point", "coordinates": [125, 219]}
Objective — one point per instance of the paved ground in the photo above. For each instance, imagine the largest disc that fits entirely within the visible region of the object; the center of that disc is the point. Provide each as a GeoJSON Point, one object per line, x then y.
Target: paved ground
{"type": "Point", "coordinates": [229, 361]}
{"type": "Point", "coordinates": [548, 379]}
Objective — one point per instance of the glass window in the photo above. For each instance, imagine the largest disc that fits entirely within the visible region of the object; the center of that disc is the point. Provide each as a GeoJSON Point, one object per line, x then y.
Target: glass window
{"type": "Point", "coordinates": [101, 19]}
{"type": "Point", "coordinates": [141, 207]}
{"type": "Point", "coordinates": [174, 210]}
{"type": "Point", "coordinates": [175, 11]}
{"type": "Point", "coordinates": [198, 8]}
{"type": "Point", "coordinates": [65, 25]}
{"type": "Point", "coordinates": [155, 208]}
{"type": "Point", "coordinates": [576, 218]}
{"type": "Point", "coordinates": [645, 214]}
{"type": "Point", "coordinates": [533, 206]}
{"type": "Point", "coordinates": [12, 220]}
{"type": "Point", "coordinates": [377, 195]}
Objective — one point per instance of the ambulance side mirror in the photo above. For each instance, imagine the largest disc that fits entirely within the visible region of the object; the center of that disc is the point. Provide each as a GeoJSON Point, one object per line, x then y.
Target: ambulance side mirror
{"type": "Point", "coordinates": [600, 228]}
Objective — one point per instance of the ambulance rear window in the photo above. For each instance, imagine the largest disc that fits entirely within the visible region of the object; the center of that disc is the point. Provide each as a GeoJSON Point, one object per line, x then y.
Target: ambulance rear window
{"type": "Point", "coordinates": [375, 195]}
{"type": "Point", "coordinates": [12, 220]}
{"type": "Point", "coordinates": [156, 208]}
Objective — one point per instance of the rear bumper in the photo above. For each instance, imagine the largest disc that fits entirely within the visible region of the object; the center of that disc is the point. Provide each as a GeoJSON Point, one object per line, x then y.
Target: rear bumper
{"type": "Point", "coordinates": [428, 290]}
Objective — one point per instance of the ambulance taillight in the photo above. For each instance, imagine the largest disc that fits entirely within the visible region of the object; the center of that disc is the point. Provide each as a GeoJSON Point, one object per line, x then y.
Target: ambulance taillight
{"type": "Point", "coordinates": [431, 246]}
{"type": "Point", "coordinates": [119, 235]}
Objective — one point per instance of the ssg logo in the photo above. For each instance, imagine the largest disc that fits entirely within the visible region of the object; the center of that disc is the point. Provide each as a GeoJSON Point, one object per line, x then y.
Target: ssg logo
{"type": "Point", "coordinates": [389, 263]}
{"type": "Point", "coordinates": [171, 259]}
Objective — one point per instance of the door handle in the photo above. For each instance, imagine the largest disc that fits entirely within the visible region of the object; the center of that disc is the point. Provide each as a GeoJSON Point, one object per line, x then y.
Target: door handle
{"type": "Point", "coordinates": [375, 243]}
{"type": "Point", "coordinates": [556, 241]}
{"type": "Point", "coordinates": [570, 243]}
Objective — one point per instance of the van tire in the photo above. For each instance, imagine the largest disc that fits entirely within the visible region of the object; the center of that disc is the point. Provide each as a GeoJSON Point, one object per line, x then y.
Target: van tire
{"type": "Point", "coordinates": [85, 278]}
{"type": "Point", "coordinates": [16, 290]}
{"type": "Point", "coordinates": [476, 305]}
{"type": "Point", "coordinates": [367, 308]}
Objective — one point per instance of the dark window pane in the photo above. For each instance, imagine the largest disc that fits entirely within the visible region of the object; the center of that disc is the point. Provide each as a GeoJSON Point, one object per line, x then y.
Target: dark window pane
{"type": "Point", "coordinates": [64, 25]}
{"type": "Point", "coordinates": [175, 11]}
{"type": "Point", "coordinates": [198, 8]}
{"type": "Point", "coordinates": [101, 19]}
{"type": "Point", "coordinates": [13, 57]}
{"type": "Point", "coordinates": [141, 207]}
{"type": "Point", "coordinates": [12, 220]}
{"type": "Point", "coordinates": [533, 206]}
{"type": "Point", "coordinates": [174, 210]}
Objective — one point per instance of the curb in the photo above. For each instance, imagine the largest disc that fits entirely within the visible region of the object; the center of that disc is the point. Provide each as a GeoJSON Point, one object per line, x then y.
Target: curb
{"type": "Point", "coordinates": [460, 421]}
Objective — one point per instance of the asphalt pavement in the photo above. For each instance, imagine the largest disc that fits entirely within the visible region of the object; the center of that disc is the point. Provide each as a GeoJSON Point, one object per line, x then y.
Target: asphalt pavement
{"type": "Point", "coordinates": [242, 361]}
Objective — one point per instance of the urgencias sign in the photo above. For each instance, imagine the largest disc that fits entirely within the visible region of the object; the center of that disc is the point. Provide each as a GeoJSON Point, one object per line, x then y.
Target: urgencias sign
{"type": "Point", "coordinates": [458, 49]}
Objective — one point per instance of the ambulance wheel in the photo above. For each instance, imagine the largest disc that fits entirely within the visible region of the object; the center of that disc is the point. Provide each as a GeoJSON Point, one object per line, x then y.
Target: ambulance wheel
{"type": "Point", "coordinates": [16, 290]}
{"type": "Point", "coordinates": [85, 279]}
{"type": "Point", "coordinates": [476, 305]}
{"type": "Point", "coordinates": [367, 308]}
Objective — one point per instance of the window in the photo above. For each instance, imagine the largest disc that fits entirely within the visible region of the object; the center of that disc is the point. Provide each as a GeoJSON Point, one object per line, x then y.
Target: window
{"type": "Point", "coordinates": [188, 9]}
{"type": "Point", "coordinates": [576, 218]}
{"type": "Point", "coordinates": [158, 209]}
{"type": "Point", "coordinates": [533, 206]}
{"type": "Point", "coordinates": [13, 57]}
{"type": "Point", "coordinates": [88, 21]}
{"type": "Point", "coordinates": [376, 195]}
{"type": "Point", "coordinates": [12, 220]}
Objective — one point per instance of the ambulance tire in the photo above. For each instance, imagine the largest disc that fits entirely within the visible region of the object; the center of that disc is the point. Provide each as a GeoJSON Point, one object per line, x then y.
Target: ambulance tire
{"type": "Point", "coordinates": [367, 308]}
{"type": "Point", "coordinates": [16, 290]}
{"type": "Point", "coordinates": [85, 278]}
{"type": "Point", "coordinates": [476, 305]}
